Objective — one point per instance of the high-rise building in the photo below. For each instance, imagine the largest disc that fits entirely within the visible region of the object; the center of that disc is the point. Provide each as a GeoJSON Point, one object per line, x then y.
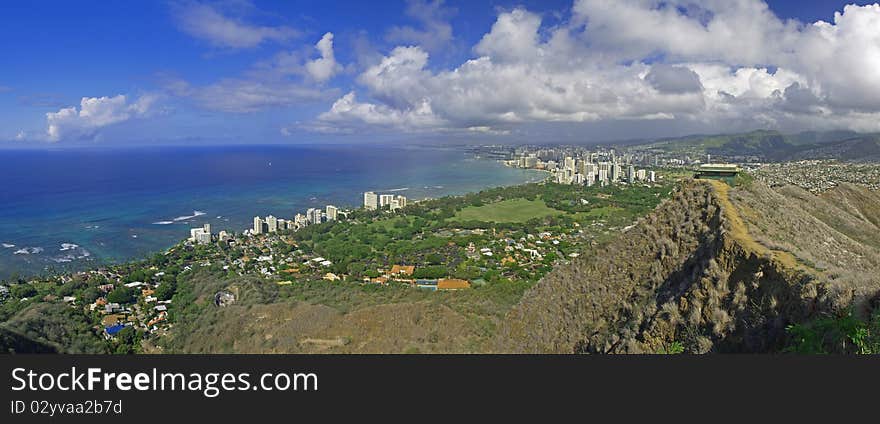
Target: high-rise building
{"type": "Point", "coordinates": [568, 164]}
{"type": "Point", "coordinates": [332, 212]}
{"type": "Point", "coordinates": [385, 200]}
{"type": "Point", "coordinates": [631, 174]}
{"type": "Point", "coordinates": [397, 202]}
{"type": "Point", "coordinates": [560, 176]}
{"type": "Point", "coordinates": [371, 201]}
{"type": "Point", "coordinates": [641, 175]}
{"type": "Point", "coordinates": [271, 224]}
{"type": "Point", "coordinates": [652, 176]}
{"type": "Point", "coordinates": [590, 170]}
{"type": "Point", "coordinates": [300, 220]}
{"type": "Point", "coordinates": [313, 215]}
{"type": "Point", "coordinates": [201, 235]}
{"type": "Point", "coordinates": [258, 225]}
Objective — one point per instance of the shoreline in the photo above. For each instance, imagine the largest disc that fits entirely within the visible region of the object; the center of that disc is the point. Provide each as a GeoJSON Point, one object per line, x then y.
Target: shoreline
{"type": "Point", "coordinates": [93, 262]}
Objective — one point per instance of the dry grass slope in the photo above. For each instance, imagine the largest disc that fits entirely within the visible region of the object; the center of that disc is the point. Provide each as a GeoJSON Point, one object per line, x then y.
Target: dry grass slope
{"type": "Point", "coordinates": [299, 327]}
{"type": "Point", "coordinates": [714, 269]}
{"type": "Point", "coordinates": [834, 236]}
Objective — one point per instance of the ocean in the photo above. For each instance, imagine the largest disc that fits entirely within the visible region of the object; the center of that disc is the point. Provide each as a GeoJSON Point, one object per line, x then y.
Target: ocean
{"type": "Point", "coordinates": [70, 209]}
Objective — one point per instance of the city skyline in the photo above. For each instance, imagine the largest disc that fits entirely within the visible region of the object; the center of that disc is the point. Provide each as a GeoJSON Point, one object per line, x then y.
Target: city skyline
{"type": "Point", "coordinates": [187, 72]}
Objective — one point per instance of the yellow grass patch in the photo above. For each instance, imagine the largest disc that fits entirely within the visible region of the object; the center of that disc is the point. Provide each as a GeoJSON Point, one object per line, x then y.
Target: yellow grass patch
{"type": "Point", "coordinates": [740, 232]}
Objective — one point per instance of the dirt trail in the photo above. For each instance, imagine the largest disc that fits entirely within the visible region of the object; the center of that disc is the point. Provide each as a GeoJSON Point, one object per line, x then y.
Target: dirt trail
{"type": "Point", "coordinates": [740, 232]}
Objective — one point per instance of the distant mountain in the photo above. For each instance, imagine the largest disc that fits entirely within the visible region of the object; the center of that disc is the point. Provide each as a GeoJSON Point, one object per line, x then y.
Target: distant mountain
{"type": "Point", "coordinates": [774, 146]}
{"type": "Point", "coordinates": [861, 148]}
{"type": "Point", "coordinates": [818, 137]}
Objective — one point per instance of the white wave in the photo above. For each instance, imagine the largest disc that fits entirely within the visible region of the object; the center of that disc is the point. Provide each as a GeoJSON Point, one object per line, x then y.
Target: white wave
{"type": "Point", "coordinates": [8, 245]}
{"type": "Point", "coordinates": [398, 189]}
{"type": "Point", "coordinates": [68, 246]}
{"type": "Point", "coordinates": [163, 223]}
{"type": "Point", "coordinates": [70, 257]}
{"type": "Point", "coordinates": [134, 236]}
{"type": "Point", "coordinates": [28, 251]}
{"type": "Point", "coordinates": [186, 217]}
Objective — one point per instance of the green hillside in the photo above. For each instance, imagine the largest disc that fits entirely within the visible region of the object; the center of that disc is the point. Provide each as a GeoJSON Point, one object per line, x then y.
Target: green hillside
{"type": "Point", "coordinates": [514, 210]}
{"type": "Point", "coordinates": [774, 146]}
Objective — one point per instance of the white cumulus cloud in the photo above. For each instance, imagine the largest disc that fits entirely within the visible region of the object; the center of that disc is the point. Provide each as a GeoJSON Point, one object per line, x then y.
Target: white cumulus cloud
{"type": "Point", "coordinates": [348, 108]}
{"type": "Point", "coordinates": [324, 67]}
{"type": "Point", "coordinates": [93, 114]}
{"type": "Point", "coordinates": [718, 65]}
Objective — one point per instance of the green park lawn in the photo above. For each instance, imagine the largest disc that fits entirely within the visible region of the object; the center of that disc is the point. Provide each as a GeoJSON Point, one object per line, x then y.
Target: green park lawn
{"type": "Point", "coordinates": [513, 210]}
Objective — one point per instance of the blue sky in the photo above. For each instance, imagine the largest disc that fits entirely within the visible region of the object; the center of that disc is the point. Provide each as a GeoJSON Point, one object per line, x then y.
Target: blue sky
{"type": "Point", "coordinates": [251, 72]}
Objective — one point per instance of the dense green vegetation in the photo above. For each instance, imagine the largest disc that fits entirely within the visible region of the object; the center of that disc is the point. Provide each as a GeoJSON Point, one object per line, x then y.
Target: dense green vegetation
{"type": "Point", "coordinates": [843, 334]}
{"type": "Point", "coordinates": [512, 210]}
{"type": "Point", "coordinates": [421, 235]}
{"type": "Point", "coordinates": [57, 325]}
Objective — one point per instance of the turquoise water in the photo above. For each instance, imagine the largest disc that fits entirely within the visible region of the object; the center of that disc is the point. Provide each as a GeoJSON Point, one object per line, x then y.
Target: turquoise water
{"type": "Point", "coordinates": [76, 208]}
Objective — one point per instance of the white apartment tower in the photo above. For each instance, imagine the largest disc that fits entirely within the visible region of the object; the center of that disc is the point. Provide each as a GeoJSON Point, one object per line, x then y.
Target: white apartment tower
{"type": "Point", "coordinates": [332, 212]}
{"type": "Point", "coordinates": [300, 220]}
{"type": "Point", "coordinates": [371, 201]}
{"type": "Point", "coordinates": [313, 215]}
{"type": "Point", "coordinates": [201, 235]}
{"type": "Point", "coordinates": [398, 202]}
{"type": "Point", "coordinates": [385, 200]}
{"type": "Point", "coordinates": [272, 223]}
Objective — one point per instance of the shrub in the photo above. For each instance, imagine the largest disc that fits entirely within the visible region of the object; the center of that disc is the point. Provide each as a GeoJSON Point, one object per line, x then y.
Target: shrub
{"type": "Point", "coordinates": [123, 295]}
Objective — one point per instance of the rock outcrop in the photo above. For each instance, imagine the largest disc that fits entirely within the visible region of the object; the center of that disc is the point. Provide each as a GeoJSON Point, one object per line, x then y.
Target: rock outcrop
{"type": "Point", "coordinates": [689, 276]}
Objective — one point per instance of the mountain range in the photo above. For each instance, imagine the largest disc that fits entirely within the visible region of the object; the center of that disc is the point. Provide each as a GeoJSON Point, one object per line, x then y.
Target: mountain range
{"type": "Point", "coordinates": [764, 145]}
